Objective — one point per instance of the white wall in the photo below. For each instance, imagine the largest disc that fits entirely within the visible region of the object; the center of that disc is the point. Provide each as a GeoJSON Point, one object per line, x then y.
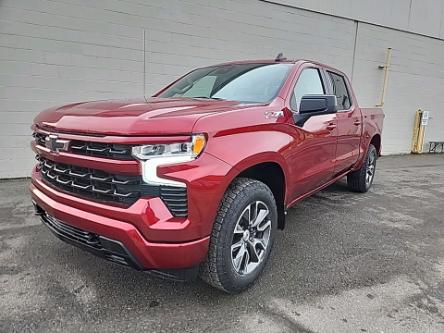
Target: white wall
{"type": "Point", "coordinates": [418, 16]}
{"type": "Point", "coordinates": [196, 33]}
{"type": "Point", "coordinates": [59, 51]}
{"type": "Point", "coordinates": [416, 81]}
{"type": "Point", "coordinates": [53, 53]}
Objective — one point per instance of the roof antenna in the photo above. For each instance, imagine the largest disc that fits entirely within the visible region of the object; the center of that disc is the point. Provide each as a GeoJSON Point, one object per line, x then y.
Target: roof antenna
{"type": "Point", "coordinates": [280, 57]}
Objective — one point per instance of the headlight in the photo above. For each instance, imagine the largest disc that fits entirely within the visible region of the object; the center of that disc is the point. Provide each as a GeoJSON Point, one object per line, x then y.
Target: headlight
{"type": "Point", "coordinates": [191, 149]}
{"type": "Point", "coordinates": [152, 156]}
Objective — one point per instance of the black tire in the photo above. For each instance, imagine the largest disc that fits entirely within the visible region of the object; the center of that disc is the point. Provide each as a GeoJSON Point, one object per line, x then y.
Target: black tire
{"type": "Point", "coordinates": [239, 200]}
{"type": "Point", "coordinates": [361, 180]}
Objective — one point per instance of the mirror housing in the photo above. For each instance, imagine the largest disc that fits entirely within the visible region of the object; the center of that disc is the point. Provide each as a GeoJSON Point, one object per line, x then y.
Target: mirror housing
{"type": "Point", "coordinates": [318, 104]}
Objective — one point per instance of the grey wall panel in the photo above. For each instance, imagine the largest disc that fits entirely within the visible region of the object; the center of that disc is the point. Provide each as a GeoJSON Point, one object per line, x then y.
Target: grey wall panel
{"type": "Point", "coordinates": [418, 16]}
{"type": "Point", "coordinates": [242, 31]}
{"type": "Point", "coordinates": [426, 17]}
{"type": "Point", "coordinates": [56, 52]}
{"type": "Point", "coordinates": [416, 80]}
{"type": "Point", "coordinates": [53, 53]}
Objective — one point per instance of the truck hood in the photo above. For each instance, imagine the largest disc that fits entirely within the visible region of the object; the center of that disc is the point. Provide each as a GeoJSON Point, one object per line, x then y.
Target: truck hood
{"type": "Point", "coordinates": [155, 116]}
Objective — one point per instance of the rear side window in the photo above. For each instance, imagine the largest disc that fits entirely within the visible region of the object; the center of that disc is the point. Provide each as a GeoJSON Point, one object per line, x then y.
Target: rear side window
{"type": "Point", "coordinates": [309, 83]}
{"type": "Point", "coordinates": [340, 90]}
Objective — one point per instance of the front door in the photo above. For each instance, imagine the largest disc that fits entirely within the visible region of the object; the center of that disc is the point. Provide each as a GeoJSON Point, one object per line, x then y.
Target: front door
{"type": "Point", "coordinates": [313, 156]}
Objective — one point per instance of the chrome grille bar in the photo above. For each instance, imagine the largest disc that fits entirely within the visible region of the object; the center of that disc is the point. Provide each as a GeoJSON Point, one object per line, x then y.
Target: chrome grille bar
{"type": "Point", "coordinates": [99, 185]}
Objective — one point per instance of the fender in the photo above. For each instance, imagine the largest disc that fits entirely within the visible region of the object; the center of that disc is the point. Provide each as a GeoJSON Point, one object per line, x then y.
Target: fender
{"type": "Point", "coordinates": [251, 161]}
{"type": "Point", "coordinates": [372, 120]}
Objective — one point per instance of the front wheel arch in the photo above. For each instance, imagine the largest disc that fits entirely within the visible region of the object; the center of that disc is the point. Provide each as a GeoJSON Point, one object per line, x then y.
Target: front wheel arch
{"type": "Point", "coordinates": [272, 175]}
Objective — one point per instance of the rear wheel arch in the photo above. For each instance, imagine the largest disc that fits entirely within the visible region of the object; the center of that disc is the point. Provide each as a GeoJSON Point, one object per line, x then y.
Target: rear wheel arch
{"type": "Point", "coordinates": [376, 142]}
{"type": "Point", "coordinates": [361, 180]}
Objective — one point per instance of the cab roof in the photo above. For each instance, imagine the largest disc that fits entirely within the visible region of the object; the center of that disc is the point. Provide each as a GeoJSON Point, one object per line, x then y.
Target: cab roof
{"type": "Point", "coordinates": [284, 61]}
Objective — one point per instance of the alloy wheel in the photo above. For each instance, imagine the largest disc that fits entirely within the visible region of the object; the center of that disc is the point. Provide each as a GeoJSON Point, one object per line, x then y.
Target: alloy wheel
{"type": "Point", "coordinates": [371, 168]}
{"type": "Point", "coordinates": [251, 237]}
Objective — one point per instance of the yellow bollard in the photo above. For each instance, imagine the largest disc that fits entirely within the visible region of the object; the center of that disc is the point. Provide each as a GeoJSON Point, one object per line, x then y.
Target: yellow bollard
{"type": "Point", "coordinates": [386, 67]}
{"type": "Point", "coordinates": [418, 133]}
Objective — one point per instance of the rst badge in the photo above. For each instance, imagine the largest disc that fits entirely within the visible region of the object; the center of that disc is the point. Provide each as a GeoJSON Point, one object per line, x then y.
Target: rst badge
{"type": "Point", "coordinates": [53, 143]}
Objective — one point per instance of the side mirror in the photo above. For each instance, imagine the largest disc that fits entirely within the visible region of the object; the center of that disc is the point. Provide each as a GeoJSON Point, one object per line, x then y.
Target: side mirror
{"type": "Point", "coordinates": [318, 104]}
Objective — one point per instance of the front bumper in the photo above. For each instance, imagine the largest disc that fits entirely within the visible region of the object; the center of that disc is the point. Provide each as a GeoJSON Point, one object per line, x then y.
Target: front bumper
{"type": "Point", "coordinates": [129, 245]}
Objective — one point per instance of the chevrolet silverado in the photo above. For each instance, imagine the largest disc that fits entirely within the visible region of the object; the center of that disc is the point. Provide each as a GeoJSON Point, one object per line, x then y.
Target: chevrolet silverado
{"type": "Point", "coordinates": [196, 180]}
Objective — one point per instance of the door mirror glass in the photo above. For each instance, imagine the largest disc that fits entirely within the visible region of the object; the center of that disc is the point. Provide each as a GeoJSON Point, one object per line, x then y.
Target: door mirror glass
{"type": "Point", "coordinates": [318, 104]}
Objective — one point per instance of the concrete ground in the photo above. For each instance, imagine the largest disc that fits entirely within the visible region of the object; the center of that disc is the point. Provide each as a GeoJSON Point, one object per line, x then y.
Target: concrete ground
{"type": "Point", "coordinates": [345, 263]}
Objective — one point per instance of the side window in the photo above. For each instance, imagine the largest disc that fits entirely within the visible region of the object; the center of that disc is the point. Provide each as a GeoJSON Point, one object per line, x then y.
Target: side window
{"type": "Point", "coordinates": [341, 91]}
{"type": "Point", "coordinates": [309, 83]}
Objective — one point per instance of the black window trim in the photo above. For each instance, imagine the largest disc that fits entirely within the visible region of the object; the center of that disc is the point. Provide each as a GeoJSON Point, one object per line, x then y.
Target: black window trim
{"type": "Point", "coordinates": [321, 76]}
{"type": "Point", "coordinates": [327, 71]}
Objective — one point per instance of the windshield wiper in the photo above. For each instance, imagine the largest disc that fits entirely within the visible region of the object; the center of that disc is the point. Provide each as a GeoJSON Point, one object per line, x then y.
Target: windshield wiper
{"type": "Point", "coordinates": [213, 98]}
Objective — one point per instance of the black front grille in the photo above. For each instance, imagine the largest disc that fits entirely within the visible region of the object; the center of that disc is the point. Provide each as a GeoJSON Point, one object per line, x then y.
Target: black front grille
{"type": "Point", "coordinates": [102, 186]}
{"type": "Point", "coordinates": [109, 249]}
{"type": "Point", "coordinates": [107, 150]}
{"type": "Point", "coordinates": [176, 199]}
{"type": "Point", "coordinates": [74, 233]}
{"type": "Point", "coordinates": [39, 138]}
{"type": "Point", "coordinates": [93, 183]}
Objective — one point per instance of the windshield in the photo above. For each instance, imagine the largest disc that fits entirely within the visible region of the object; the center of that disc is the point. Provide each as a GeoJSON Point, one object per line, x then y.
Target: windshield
{"type": "Point", "coordinates": [248, 83]}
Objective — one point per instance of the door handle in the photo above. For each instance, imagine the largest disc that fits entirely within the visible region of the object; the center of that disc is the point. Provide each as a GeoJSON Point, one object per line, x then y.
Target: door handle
{"type": "Point", "coordinates": [357, 122]}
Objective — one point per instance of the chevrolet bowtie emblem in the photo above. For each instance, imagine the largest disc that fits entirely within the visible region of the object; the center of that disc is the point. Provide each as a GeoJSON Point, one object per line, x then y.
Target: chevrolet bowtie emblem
{"type": "Point", "coordinates": [53, 143]}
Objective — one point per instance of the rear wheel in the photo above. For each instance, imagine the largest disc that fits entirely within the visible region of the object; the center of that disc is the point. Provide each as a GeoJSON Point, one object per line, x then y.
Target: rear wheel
{"type": "Point", "coordinates": [242, 236]}
{"type": "Point", "coordinates": [361, 180]}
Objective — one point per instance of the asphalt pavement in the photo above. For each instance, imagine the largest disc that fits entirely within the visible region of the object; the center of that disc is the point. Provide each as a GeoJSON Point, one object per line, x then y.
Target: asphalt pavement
{"type": "Point", "coordinates": [346, 262]}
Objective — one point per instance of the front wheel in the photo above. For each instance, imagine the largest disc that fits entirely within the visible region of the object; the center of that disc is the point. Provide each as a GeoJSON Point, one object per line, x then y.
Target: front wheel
{"type": "Point", "coordinates": [242, 236]}
{"type": "Point", "coordinates": [361, 180]}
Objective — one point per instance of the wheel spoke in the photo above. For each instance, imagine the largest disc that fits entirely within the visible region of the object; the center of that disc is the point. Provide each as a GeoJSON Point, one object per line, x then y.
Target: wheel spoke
{"type": "Point", "coordinates": [264, 226]}
{"type": "Point", "coordinates": [237, 261]}
{"type": "Point", "coordinates": [261, 243]}
{"type": "Point", "coordinates": [236, 246]}
{"type": "Point", "coordinates": [246, 261]}
{"type": "Point", "coordinates": [253, 251]}
{"type": "Point", "coordinates": [257, 246]}
{"type": "Point", "coordinates": [238, 229]}
{"type": "Point", "coordinates": [260, 217]}
{"type": "Point", "coordinates": [253, 213]}
{"type": "Point", "coordinates": [247, 214]}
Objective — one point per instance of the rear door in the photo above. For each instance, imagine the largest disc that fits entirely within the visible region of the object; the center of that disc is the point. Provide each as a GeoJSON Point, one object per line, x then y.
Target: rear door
{"type": "Point", "coordinates": [349, 119]}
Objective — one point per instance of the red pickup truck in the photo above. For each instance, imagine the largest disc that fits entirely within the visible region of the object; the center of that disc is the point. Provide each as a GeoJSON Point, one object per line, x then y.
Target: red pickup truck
{"type": "Point", "coordinates": [197, 179]}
